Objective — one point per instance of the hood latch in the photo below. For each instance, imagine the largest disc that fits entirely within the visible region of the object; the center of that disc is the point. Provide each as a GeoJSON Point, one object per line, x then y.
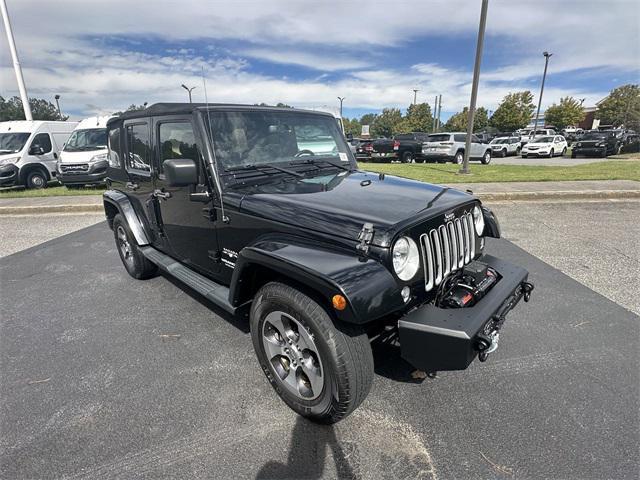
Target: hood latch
{"type": "Point", "coordinates": [364, 237]}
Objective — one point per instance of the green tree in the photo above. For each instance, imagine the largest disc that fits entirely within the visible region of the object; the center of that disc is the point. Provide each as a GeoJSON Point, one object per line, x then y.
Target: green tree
{"type": "Point", "coordinates": [568, 112]}
{"type": "Point", "coordinates": [514, 112]}
{"type": "Point", "coordinates": [621, 107]}
{"type": "Point", "coordinates": [458, 121]}
{"type": "Point", "coordinates": [352, 126]}
{"type": "Point", "coordinates": [41, 109]}
{"type": "Point", "coordinates": [417, 119]}
{"type": "Point", "coordinates": [386, 124]}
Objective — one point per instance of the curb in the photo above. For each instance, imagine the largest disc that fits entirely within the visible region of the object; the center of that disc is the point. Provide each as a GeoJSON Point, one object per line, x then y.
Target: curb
{"type": "Point", "coordinates": [487, 197]}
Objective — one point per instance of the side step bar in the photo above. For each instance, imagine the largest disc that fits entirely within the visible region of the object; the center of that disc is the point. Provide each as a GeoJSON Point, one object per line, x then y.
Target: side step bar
{"type": "Point", "coordinates": [209, 289]}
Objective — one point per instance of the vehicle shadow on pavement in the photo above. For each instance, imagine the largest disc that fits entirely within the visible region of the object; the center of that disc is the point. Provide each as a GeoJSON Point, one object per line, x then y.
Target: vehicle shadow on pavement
{"type": "Point", "coordinates": [240, 321]}
{"type": "Point", "coordinates": [389, 363]}
{"type": "Point", "coordinates": [308, 452]}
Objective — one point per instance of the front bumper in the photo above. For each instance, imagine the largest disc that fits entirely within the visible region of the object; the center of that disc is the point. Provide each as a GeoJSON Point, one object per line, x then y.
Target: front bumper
{"type": "Point", "coordinates": [587, 151]}
{"type": "Point", "coordinates": [9, 175]}
{"type": "Point", "coordinates": [435, 339]}
{"type": "Point", "coordinates": [95, 173]}
{"type": "Point", "coordinates": [535, 153]}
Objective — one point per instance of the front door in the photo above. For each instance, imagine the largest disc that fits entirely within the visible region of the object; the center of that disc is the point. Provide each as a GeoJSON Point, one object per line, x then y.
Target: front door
{"type": "Point", "coordinates": [41, 151]}
{"type": "Point", "coordinates": [186, 225]}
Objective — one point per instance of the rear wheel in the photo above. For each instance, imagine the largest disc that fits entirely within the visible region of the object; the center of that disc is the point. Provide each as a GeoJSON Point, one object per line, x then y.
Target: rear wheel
{"type": "Point", "coordinates": [132, 258]}
{"type": "Point", "coordinates": [459, 158]}
{"type": "Point", "coordinates": [37, 179]}
{"type": "Point", "coordinates": [321, 369]}
{"type": "Point", "coordinates": [486, 158]}
{"type": "Point", "coordinates": [503, 153]}
{"type": "Point", "coordinates": [407, 157]}
{"type": "Point", "coordinates": [603, 154]}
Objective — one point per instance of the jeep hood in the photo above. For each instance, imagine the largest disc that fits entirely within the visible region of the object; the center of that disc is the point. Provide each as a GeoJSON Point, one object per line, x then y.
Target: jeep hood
{"type": "Point", "coordinates": [340, 204]}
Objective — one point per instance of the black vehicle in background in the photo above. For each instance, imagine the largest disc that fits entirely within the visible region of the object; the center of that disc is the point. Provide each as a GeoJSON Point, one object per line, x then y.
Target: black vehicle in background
{"type": "Point", "coordinates": [362, 148]}
{"type": "Point", "coordinates": [264, 212]}
{"type": "Point", "coordinates": [597, 144]}
{"type": "Point", "coordinates": [404, 147]}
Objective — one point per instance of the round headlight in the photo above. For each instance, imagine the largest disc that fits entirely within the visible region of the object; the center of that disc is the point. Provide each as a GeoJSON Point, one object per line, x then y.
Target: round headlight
{"type": "Point", "coordinates": [406, 258]}
{"type": "Point", "coordinates": [478, 220]}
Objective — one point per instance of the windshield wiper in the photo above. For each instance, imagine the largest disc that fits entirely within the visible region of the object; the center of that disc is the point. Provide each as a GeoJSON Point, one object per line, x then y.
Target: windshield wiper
{"type": "Point", "coordinates": [263, 168]}
{"type": "Point", "coordinates": [311, 161]}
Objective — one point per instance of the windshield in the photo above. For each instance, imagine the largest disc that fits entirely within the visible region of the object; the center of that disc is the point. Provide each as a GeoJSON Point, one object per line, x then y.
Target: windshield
{"type": "Point", "coordinates": [12, 142]}
{"type": "Point", "coordinates": [254, 138]}
{"type": "Point", "coordinates": [500, 140]}
{"type": "Point", "coordinates": [85, 140]}
{"type": "Point", "coordinates": [543, 140]}
{"type": "Point", "coordinates": [439, 138]}
{"type": "Point", "coordinates": [594, 136]}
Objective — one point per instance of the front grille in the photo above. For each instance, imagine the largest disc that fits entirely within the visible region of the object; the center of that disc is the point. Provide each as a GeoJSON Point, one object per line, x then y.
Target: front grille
{"type": "Point", "coordinates": [446, 249]}
{"type": "Point", "coordinates": [73, 168]}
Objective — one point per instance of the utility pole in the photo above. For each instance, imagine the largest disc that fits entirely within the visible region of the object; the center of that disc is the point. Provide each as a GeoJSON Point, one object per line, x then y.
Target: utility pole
{"type": "Point", "coordinates": [341, 100]}
{"type": "Point", "coordinates": [435, 113]}
{"type": "Point", "coordinates": [188, 90]}
{"type": "Point", "coordinates": [415, 95]}
{"type": "Point", "coordinates": [439, 109]}
{"type": "Point", "coordinates": [57, 97]}
{"type": "Point", "coordinates": [16, 62]}
{"type": "Point", "coordinates": [544, 76]}
{"type": "Point", "coordinates": [474, 86]}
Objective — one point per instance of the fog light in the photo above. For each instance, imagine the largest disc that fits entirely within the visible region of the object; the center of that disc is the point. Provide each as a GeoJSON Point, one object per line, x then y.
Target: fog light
{"type": "Point", "coordinates": [406, 293]}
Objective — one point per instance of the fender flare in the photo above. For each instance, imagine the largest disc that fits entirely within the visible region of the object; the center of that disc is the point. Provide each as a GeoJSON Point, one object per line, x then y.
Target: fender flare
{"type": "Point", "coordinates": [122, 203]}
{"type": "Point", "coordinates": [370, 289]}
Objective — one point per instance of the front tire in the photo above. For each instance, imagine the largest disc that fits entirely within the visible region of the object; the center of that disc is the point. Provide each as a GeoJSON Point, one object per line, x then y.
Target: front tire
{"type": "Point", "coordinates": [132, 258]}
{"type": "Point", "coordinates": [551, 153]}
{"type": "Point", "coordinates": [503, 153]}
{"type": "Point", "coordinates": [37, 179]}
{"type": "Point", "coordinates": [458, 158]}
{"type": "Point", "coordinates": [486, 158]}
{"type": "Point", "coordinates": [564, 152]}
{"type": "Point", "coordinates": [321, 369]}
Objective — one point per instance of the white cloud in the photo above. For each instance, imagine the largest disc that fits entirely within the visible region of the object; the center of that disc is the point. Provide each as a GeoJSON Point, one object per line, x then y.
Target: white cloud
{"type": "Point", "coordinates": [60, 47]}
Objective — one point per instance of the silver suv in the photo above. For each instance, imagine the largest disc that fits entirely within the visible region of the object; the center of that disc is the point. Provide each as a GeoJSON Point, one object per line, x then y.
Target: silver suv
{"type": "Point", "coordinates": [442, 147]}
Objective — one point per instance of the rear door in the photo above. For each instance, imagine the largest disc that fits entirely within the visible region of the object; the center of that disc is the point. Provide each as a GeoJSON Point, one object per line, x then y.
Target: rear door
{"type": "Point", "coordinates": [186, 226]}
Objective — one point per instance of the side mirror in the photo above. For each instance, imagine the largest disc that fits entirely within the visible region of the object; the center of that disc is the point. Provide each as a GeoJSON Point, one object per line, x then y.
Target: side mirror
{"type": "Point", "coordinates": [36, 150]}
{"type": "Point", "coordinates": [180, 172]}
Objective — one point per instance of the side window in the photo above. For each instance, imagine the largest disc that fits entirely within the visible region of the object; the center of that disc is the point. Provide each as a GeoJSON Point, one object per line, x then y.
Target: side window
{"type": "Point", "coordinates": [138, 151]}
{"type": "Point", "coordinates": [475, 139]}
{"type": "Point", "coordinates": [43, 141]}
{"type": "Point", "coordinates": [459, 138]}
{"type": "Point", "coordinates": [114, 148]}
{"type": "Point", "coordinates": [176, 140]}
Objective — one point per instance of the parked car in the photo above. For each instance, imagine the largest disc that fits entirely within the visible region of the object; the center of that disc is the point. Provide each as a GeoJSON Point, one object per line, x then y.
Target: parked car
{"type": "Point", "coordinates": [83, 159]}
{"type": "Point", "coordinates": [362, 148]}
{"type": "Point", "coordinates": [29, 151]}
{"type": "Point", "coordinates": [547, 146]}
{"type": "Point", "coordinates": [319, 256]}
{"type": "Point", "coordinates": [597, 144]}
{"type": "Point", "coordinates": [503, 146]}
{"type": "Point", "coordinates": [443, 147]}
{"type": "Point", "coordinates": [404, 147]}
{"type": "Point", "coordinates": [528, 134]}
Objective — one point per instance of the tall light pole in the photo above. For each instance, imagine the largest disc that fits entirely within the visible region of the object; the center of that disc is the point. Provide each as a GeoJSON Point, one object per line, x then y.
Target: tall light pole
{"type": "Point", "coordinates": [16, 63]}
{"type": "Point", "coordinates": [544, 76]}
{"type": "Point", "coordinates": [435, 113]}
{"type": "Point", "coordinates": [341, 100]}
{"type": "Point", "coordinates": [415, 95]}
{"type": "Point", "coordinates": [188, 90]}
{"type": "Point", "coordinates": [474, 86]}
{"type": "Point", "coordinates": [57, 97]}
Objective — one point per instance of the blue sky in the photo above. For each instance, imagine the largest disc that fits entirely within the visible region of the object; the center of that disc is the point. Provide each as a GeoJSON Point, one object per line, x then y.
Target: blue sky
{"type": "Point", "coordinates": [101, 56]}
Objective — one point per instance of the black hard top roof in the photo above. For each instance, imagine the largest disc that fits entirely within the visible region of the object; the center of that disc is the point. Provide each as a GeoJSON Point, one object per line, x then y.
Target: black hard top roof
{"type": "Point", "coordinates": [158, 109]}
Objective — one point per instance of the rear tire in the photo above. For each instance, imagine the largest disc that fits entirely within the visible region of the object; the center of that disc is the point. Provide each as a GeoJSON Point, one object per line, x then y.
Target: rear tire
{"type": "Point", "coordinates": [331, 362]}
{"type": "Point", "coordinates": [37, 179]}
{"type": "Point", "coordinates": [407, 157]}
{"type": "Point", "coordinates": [132, 258]}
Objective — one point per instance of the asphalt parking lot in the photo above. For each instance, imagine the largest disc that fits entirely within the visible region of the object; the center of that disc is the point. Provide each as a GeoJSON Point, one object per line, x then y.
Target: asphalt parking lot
{"type": "Point", "coordinates": [107, 377]}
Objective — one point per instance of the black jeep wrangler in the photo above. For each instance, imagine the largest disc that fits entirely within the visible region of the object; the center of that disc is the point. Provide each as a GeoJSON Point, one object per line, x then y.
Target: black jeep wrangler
{"type": "Point", "coordinates": [264, 212]}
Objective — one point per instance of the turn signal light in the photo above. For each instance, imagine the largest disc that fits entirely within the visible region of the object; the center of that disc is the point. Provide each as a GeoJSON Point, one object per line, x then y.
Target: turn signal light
{"type": "Point", "coordinates": [339, 302]}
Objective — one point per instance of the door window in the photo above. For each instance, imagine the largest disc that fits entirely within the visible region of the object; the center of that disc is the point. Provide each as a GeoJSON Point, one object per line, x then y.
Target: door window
{"type": "Point", "coordinates": [176, 140]}
{"type": "Point", "coordinates": [114, 148]}
{"type": "Point", "coordinates": [138, 151]}
{"type": "Point", "coordinates": [459, 138]}
{"type": "Point", "coordinates": [475, 139]}
{"type": "Point", "coordinates": [43, 141]}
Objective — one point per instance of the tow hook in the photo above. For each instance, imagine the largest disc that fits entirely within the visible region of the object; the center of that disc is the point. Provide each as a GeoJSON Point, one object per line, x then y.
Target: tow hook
{"type": "Point", "coordinates": [527, 288]}
{"type": "Point", "coordinates": [487, 344]}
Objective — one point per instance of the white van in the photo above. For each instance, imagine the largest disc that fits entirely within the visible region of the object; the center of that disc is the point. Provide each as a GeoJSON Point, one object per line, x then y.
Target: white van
{"type": "Point", "coordinates": [29, 151]}
{"type": "Point", "coordinates": [83, 160]}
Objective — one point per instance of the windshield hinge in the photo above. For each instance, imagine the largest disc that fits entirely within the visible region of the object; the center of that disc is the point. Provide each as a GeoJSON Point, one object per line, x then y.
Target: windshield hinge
{"type": "Point", "coordinates": [364, 237]}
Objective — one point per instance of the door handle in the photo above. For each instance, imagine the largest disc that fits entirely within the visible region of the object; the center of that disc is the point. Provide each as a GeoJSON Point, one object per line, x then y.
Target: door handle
{"type": "Point", "coordinates": [161, 194]}
{"type": "Point", "coordinates": [132, 185]}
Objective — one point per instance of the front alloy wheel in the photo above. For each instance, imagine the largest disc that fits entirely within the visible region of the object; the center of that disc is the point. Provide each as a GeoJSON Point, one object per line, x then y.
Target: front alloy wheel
{"type": "Point", "coordinates": [486, 158]}
{"type": "Point", "coordinates": [459, 158]}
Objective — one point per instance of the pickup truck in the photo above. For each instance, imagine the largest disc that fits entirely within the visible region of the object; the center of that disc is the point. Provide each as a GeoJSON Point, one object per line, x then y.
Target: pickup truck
{"type": "Point", "coordinates": [405, 147]}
